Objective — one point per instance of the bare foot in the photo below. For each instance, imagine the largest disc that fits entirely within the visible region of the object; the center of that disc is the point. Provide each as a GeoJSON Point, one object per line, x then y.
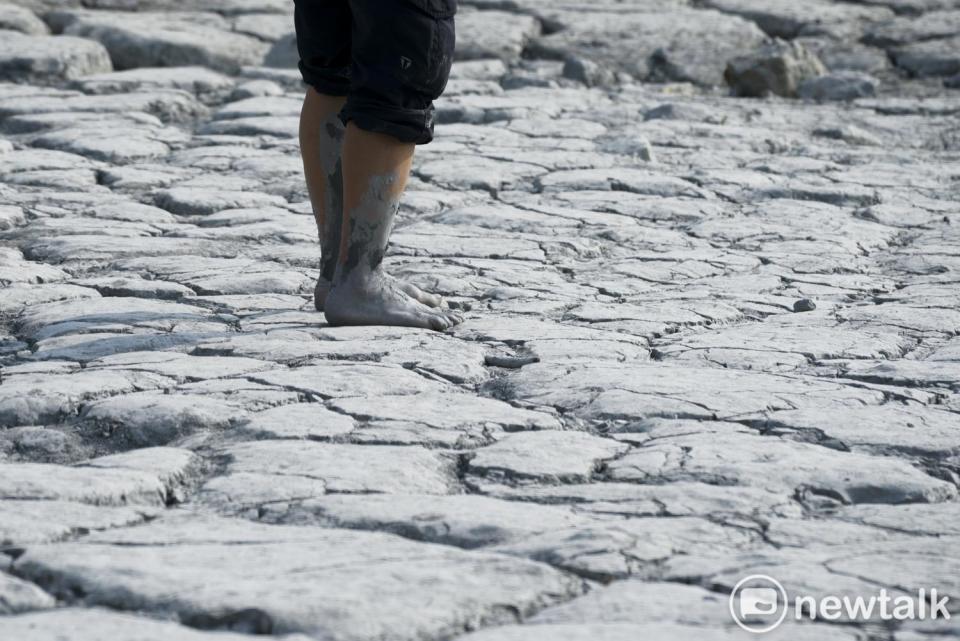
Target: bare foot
{"type": "Point", "coordinates": [322, 289]}
{"type": "Point", "coordinates": [376, 299]}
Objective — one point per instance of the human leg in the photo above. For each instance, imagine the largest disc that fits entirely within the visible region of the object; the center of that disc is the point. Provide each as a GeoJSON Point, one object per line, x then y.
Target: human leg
{"type": "Point", "coordinates": [375, 171]}
{"type": "Point", "coordinates": [321, 136]}
{"type": "Point", "coordinates": [401, 56]}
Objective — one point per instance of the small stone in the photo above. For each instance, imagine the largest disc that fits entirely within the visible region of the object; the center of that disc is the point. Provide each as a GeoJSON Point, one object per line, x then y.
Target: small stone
{"type": "Point", "coordinates": [588, 72]}
{"type": "Point", "coordinates": [850, 134]}
{"type": "Point", "coordinates": [804, 305]}
{"type": "Point", "coordinates": [256, 88]}
{"type": "Point", "coordinates": [840, 86]}
{"type": "Point", "coordinates": [778, 68]}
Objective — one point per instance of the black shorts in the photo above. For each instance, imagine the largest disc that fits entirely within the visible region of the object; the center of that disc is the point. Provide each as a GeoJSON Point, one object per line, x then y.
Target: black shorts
{"type": "Point", "coordinates": [391, 58]}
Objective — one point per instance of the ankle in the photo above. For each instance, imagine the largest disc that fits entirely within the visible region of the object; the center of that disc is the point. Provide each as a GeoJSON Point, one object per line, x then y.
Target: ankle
{"type": "Point", "coordinates": [356, 278]}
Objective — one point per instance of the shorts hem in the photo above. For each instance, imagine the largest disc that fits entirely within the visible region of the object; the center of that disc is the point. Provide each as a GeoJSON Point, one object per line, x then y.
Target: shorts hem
{"type": "Point", "coordinates": [407, 132]}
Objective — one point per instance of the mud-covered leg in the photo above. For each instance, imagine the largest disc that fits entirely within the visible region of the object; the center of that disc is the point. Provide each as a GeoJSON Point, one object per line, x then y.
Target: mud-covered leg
{"type": "Point", "coordinates": [321, 137]}
{"type": "Point", "coordinates": [375, 172]}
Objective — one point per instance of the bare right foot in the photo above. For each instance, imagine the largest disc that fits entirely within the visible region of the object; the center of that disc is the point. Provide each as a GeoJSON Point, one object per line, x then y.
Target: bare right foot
{"type": "Point", "coordinates": [377, 299]}
{"type": "Point", "coordinates": [322, 290]}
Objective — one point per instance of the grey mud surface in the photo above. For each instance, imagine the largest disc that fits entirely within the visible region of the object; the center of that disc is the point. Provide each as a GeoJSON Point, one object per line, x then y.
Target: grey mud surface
{"type": "Point", "coordinates": [705, 336]}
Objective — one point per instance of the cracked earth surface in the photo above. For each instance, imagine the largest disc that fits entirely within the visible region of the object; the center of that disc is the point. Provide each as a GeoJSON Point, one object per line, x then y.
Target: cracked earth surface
{"type": "Point", "coordinates": [706, 336]}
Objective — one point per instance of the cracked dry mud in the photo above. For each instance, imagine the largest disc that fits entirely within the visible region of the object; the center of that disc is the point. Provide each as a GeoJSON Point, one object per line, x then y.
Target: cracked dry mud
{"type": "Point", "coordinates": [704, 337]}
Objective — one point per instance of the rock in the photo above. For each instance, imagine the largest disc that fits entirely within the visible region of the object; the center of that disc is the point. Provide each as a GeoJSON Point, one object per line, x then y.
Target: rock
{"type": "Point", "coordinates": [634, 391]}
{"type": "Point", "coordinates": [36, 398]}
{"type": "Point", "coordinates": [204, 83]}
{"type": "Point", "coordinates": [549, 456]}
{"type": "Point", "coordinates": [738, 458]}
{"type": "Point", "coordinates": [784, 19]}
{"type": "Point", "coordinates": [348, 468]}
{"type": "Point", "coordinates": [490, 69]}
{"type": "Point", "coordinates": [905, 372]}
{"type": "Point", "coordinates": [839, 86]}
{"type": "Point", "coordinates": [463, 521]}
{"type": "Point", "coordinates": [345, 380]}
{"type": "Point", "coordinates": [181, 367]}
{"type": "Point", "coordinates": [853, 135]}
{"type": "Point", "coordinates": [804, 305]}
{"type": "Point", "coordinates": [676, 499]}
{"type": "Point", "coordinates": [916, 518]}
{"type": "Point", "coordinates": [652, 43]}
{"type": "Point", "coordinates": [267, 589]}
{"type": "Point", "coordinates": [10, 216]}
{"type": "Point", "coordinates": [28, 521]}
{"type": "Point", "coordinates": [778, 68]}
{"type": "Point", "coordinates": [626, 632]}
{"type": "Point", "coordinates": [844, 55]}
{"type": "Point", "coordinates": [639, 602]}
{"type": "Point", "coordinates": [43, 445]}
{"type": "Point", "coordinates": [147, 419]}
{"type": "Point", "coordinates": [136, 288]}
{"type": "Point", "coordinates": [91, 484]}
{"type": "Point", "coordinates": [169, 106]}
{"type": "Point", "coordinates": [493, 34]}
{"type": "Point", "coordinates": [86, 315]}
{"type": "Point", "coordinates": [916, 319]}
{"type": "Point", "coordinates": [786, 339]}
{"type": "Point", "coordinates": [256, 88]}
{"type": "Point", "coordinates": [587, 72]}
{"type": "Point", "coordinates": [146, 39]}
{"type": "Point", "coordinates": [447, 412]}
{"type": "Point", "coordinates": [267, 25]}
{"type": "Point", "coordinates": [18, 596]}
{"type": "Point", "coordinates": [300, 420]}
{"type": "Point", "coordinates": [627, 179]}
{"type": "Point", "coordinates": [283, 53]}
{"type": "Point", "coordinates": [920, 429]}
{"type": "Point", "coordinates": [14, 299]}
{"type": "Point", "coordinates": [620, 549]}
{"type": "Point", "coordinates": [16, 18]}
{"type": "Point", "coordinates": [932, 25]}
{"type": "Point", "coordinates": [45, 60]}
{"type": "Point", "coordinates": [94, 624]}
{"type": "Point", "coordinates": [932, 58]}
{"type": "Point", "coordinates": [119, 144]}
{"type": "Point", "coordinates": [193, 201]}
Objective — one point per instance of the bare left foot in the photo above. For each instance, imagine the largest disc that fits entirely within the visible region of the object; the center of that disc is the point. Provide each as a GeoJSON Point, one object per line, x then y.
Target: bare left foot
{"type": "Point", "coordinates": [322, 289]}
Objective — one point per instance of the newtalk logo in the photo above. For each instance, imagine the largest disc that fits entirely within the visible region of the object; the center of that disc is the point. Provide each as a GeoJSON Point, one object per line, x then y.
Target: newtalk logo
{"type": "Point", "coordinates": [759, 604]}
